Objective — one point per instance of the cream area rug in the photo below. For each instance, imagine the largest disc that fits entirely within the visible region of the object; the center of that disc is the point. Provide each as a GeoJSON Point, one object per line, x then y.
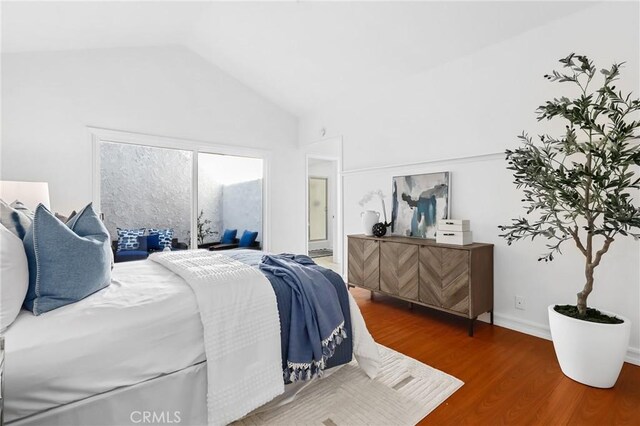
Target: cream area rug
{"type": "Point", "coordinates": [404, 392]}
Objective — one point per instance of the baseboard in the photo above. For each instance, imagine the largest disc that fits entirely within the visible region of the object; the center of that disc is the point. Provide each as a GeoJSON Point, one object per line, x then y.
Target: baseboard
{"type": "Point", "coordinates": [542, 331]}
{"type": "Point", "coordinates": [633, 356]}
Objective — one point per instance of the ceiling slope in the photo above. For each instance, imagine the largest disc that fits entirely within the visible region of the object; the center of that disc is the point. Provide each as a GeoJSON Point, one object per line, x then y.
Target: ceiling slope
{"type": "Point", "coordinates": [297, 54]}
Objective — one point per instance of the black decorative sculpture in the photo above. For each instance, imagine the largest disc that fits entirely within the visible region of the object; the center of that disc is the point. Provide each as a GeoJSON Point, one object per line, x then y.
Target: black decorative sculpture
{"type": "Point", "coordinates": [380, 229]}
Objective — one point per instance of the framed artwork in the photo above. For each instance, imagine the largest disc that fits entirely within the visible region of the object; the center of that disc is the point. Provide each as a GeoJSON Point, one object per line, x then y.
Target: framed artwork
{"type": "Point", "coordinates": [419, 202]}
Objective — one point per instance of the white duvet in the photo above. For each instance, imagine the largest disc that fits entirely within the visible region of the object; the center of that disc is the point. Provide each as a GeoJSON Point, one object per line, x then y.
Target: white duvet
{"type": "Point", "coordinates": [145, 324]}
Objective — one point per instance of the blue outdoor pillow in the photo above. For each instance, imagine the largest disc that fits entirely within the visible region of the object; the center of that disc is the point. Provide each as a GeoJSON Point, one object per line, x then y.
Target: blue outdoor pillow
{"type": "Point", "coordinates": [153, 242]}
{"type": "Point", "coordinates": [247, 239]}
{"type": "Point", "coordinates": [143, 243]}
{"type": "Point", "coordinates": [159, 239]}
{"type": "Point", "coordinates": [67, 262]}
{"type": "Point", "coordinates": [128, 238]}
{"type": "Point", "coordinates": [229, 236]}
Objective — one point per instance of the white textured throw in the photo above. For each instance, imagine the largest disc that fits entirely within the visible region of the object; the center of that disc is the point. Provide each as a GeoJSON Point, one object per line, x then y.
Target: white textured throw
{"type": "Point", "coordinates": [239, 314]}
{"type": "Point", "coordinates": [365, 348]}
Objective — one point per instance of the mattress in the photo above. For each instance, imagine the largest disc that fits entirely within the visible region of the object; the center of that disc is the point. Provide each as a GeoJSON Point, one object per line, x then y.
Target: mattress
{"type": "Point", "coordinates": [144, 325]}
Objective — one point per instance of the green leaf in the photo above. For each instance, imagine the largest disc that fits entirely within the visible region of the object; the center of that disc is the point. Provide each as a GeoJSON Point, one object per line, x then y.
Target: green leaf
{"type": "Point", "coordinates": [582, 179]}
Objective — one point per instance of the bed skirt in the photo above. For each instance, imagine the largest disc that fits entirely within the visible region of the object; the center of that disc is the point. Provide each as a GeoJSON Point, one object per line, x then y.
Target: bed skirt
{"type": "Point", "coordinates": [176, 398]}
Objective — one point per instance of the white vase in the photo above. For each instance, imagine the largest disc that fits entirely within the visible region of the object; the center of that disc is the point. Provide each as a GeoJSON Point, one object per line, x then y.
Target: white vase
{"type": "Point", "coordinates": [369, 218]}
{"type": "Point", "coordinates": [588, 352]}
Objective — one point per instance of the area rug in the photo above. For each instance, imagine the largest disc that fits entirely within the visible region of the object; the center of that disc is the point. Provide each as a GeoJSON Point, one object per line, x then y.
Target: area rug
{"type": "Point", "coordinates": [404, 392]}
{"type": "Point", "coordinates": [320, 253]}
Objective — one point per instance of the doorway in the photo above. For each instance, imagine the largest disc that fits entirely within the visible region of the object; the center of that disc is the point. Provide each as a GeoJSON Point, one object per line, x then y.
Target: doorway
{"type": "Point", "coordinates": [322, 205]}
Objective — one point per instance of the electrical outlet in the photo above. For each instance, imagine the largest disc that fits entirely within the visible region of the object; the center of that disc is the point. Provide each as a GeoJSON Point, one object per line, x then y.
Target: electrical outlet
{"type": "Point", "coordinates": [520, 303]}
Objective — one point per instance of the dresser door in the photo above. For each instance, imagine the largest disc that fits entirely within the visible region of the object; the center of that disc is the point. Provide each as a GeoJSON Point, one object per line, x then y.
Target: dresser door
{"type": "Point", "coordinates": [455, 280]}
{"type": "Point", "coordinates": [430, 261]}
{"type": "Point", "coordinates": [371, 271]}
{"type": "Point", "coordinates": [356, 261]}
{"type": "Point", "coordinates": [399, 269]}
{"type": "Point", "coordinates": [364, 259]}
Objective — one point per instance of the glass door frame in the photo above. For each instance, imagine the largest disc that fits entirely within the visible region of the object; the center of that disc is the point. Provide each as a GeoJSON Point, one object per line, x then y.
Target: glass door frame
{"type": "Point", "coordinates": [98, 135]}
{"type": "Point", "coordinates": [326, 208]}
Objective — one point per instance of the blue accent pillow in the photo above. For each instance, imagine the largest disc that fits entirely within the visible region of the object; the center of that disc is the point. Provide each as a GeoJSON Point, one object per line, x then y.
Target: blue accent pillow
{"type": "Point", "coordinates": [67, 262]}
{"type": "Point", "coordinates": [164, 238]}
{"type": "Point", "coordinates": [14, 220]}
{"type": "Point", "coordinates": [153, 242]}
{"type": "Point", "coordinates": [229, 236]}
{"type": "Point", "coordinates": [128, 238]}
{"type": "Point", "coordinates": [247, 239]}
{"type": "Point", "coordinates": [142, 243]}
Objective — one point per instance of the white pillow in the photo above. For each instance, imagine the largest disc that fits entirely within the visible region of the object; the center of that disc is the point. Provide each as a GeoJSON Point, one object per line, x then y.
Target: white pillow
{"type": "Point", "coordinates": [19, 205]}
{"type": "Point", "coordinates": [14, 277]}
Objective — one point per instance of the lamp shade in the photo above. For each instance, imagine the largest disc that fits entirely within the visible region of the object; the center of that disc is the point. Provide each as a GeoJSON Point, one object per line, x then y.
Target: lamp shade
{"type": "Point", "coordinates": [29, 193]}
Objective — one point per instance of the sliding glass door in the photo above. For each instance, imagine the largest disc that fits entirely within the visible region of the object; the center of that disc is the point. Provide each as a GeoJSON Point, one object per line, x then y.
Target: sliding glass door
{"type": "Point", "coordinates": [196, 195]}
{"type": "Point", "coordinates": [146, 187]}
{"type": "Point", "coordinates": [229, 197]}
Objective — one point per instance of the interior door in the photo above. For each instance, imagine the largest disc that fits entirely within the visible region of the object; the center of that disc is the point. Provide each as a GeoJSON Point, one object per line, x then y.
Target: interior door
{"type": "Point", "coordinates": [318, 209]}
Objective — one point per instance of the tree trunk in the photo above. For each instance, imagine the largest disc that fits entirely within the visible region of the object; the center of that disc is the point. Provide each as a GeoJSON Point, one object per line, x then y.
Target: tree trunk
{"type": "Point", "coordinates": [588, 287]}
{"type": "Point", "coordinates": [588, 268]}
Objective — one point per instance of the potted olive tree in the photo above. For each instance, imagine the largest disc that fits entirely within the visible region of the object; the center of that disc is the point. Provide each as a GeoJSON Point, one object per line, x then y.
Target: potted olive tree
{"type": "Point", "coordinates": [578, 187]}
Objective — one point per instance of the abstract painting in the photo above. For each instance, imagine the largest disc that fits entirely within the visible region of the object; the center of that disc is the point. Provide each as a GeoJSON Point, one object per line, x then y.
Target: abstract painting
{"type": "Point", "coordinates": [419, 201]}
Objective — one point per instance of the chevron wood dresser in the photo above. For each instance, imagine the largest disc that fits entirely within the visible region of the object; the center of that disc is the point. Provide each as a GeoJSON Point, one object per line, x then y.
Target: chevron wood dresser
{"type": "Point", "coordinates": [453, 279]}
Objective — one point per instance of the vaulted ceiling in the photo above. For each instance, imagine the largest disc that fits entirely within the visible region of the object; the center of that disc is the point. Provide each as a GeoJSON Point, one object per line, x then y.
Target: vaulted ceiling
{"type": "Point", "coordinates": [298, 54]}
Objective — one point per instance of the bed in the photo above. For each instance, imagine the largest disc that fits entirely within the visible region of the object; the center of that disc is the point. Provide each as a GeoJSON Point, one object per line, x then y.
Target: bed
{"type": "Point", "coordinates": [131, 353]}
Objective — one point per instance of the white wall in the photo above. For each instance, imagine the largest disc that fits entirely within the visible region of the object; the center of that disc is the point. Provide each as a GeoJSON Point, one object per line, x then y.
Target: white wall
{"type": "Point", "coordinates": [210, 201]}
{"type": "Point", "coordinates": [48, 99]}
{"type": "Point", "coordinates": [476, 106]}
{"type": "Point", "coordinates": [242, 207]}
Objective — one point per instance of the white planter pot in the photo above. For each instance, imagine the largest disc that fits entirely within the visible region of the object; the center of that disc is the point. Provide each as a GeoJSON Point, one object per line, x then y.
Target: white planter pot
{"type": "Point", "coordinates": [589, 352]}
{"type": "Point", "coordinates": [369, 218]}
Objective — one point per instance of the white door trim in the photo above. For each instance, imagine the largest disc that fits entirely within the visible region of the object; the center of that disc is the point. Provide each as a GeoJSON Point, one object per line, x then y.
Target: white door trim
{"type": "Point", "coordinates": [338, 238]}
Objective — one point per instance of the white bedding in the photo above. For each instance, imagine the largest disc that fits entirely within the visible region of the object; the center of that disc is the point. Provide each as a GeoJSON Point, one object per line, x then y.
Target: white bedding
{"type": "Point", "coordinates": [239, 312]}
{"type": "Point", "coordinates": [146, 323]}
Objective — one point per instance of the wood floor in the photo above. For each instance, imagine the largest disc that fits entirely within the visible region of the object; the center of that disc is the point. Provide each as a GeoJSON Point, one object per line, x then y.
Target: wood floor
{"type": "Point", "coordinates": [510, 378]}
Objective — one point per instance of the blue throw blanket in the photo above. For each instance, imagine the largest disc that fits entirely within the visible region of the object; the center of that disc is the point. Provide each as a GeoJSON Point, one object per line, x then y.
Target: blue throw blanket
{"type": "Point", "coordinates": [317, 322]}
{"type": "Point", "coordinates": [284, 296]}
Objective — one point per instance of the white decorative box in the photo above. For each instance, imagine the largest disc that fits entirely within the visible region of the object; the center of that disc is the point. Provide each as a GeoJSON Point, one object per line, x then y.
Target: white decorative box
{"type": "Point", "coordinates": [454, 225]}
{"type": "Point", "coordinates": [458, 238]}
